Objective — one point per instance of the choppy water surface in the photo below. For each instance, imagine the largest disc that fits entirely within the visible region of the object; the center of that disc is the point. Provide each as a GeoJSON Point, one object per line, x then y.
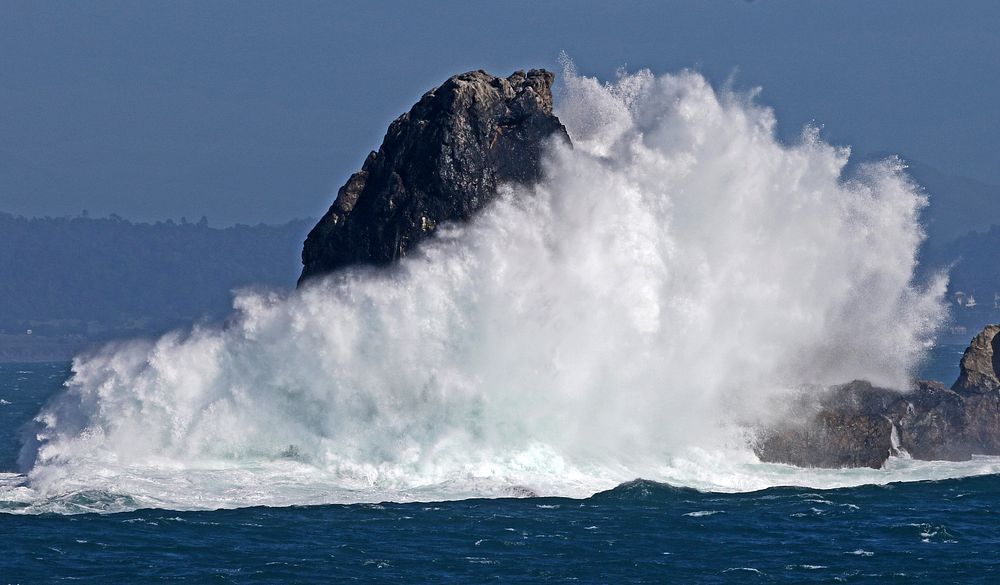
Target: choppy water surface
{"type": "Point", "coordinates": [919, 532]}
{"type": "Point", "coordinates": [946, 530]}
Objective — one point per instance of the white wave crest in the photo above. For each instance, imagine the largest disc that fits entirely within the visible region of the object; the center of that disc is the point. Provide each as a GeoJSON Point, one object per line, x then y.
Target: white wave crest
{"type": "Point", "coordinates": [677, 268]}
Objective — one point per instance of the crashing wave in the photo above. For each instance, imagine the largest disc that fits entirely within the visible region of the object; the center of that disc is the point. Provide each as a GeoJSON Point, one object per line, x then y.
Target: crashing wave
{"type": "Point", "coordinates": [677, 269]}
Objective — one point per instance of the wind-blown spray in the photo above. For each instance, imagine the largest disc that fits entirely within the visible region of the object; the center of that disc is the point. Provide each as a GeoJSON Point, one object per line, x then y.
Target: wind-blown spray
{"type": "Point", "coordinates": [676, 269]}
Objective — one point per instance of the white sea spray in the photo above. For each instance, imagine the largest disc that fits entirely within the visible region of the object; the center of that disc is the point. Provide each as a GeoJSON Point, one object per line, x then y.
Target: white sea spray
{"type": "Point", "coordinates": [677, 269]}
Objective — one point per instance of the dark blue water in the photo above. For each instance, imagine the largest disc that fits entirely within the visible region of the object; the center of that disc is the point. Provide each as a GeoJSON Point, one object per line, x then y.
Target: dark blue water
{"type": "Point", "coordinates": [936, 532]}
{"type": "Point", "coordinates": [945, 531]}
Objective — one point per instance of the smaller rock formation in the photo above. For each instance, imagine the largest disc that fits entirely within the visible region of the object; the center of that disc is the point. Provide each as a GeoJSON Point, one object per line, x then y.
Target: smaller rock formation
{"type": "Point", "coordinates": [980, 363]}
{"type": "Point", "coordinates": [845, 427]}
{"type": "Point", "coordinates": [859, 425]}
{"type": "Point", "coordinates": [441, 161]}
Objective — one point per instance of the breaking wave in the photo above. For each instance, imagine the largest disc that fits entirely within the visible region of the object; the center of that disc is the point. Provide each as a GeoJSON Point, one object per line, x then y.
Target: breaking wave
{"type": "Point", "coordinates": [677, 270]}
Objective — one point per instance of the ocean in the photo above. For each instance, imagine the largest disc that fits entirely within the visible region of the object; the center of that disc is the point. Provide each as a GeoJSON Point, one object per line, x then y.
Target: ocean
{"type": "Point", "coordinates": [561, 389]}
{"type": "Point", "coordinates": [942, 530]}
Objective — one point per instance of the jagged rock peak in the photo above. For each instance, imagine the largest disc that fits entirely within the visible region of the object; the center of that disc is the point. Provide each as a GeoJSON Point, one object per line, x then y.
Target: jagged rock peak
{"type": "Point", "coordinates": [981, 363]}
{"type": "Point", "coordinates": [442, 161]}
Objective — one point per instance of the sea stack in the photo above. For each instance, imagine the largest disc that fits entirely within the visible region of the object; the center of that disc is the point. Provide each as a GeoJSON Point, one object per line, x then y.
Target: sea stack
{"type": "Point", "coordinates": [440, 162]}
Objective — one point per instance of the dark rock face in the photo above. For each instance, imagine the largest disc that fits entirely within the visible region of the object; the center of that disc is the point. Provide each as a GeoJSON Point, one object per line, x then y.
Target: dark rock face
{"type": "Point", "coordinates": [441, 161]}
{"type": "Point", "coordinates": [859, 425]}
{"type": "Point", "coordinates": [980, 363]}
{"type": "Point", "coordinates": [844, 428]}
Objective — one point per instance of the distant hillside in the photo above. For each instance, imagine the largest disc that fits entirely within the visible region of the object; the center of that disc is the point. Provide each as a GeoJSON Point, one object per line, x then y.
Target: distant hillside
{"type": "Point", "coordinates": [73, 280]}
{"type": "Point", "coordinates": [76, 281]}
{"type": "Point", "coordinates": [958, 205]}
{"type": "Point", "coordinates": [963, 227]}
{"type": "Point", "coordinates": [974, 270]}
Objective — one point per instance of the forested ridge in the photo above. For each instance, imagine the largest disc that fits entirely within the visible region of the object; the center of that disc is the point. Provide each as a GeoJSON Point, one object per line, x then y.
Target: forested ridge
{"type": "Point", "coordinates": [96, 278]}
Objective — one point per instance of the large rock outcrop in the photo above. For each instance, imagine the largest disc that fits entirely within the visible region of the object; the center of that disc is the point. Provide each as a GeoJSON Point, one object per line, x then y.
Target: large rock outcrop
{"type": "Point", "coordinates": [858, 425]}
{"type": "Point", "coordinates": [441, 161]}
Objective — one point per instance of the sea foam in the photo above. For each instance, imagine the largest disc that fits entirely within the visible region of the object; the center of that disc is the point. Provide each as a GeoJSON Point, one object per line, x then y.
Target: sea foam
{"type": "Point", "coordinates": [678, 269]}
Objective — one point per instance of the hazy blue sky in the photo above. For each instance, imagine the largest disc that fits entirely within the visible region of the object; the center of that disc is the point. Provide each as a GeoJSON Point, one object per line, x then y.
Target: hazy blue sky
{"type": "Point", "coordinates": [258, 111]}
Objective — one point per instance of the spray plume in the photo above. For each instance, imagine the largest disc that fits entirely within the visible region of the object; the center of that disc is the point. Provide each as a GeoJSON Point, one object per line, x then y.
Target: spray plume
{"type": "Point", "coordinates": [677, 269]}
